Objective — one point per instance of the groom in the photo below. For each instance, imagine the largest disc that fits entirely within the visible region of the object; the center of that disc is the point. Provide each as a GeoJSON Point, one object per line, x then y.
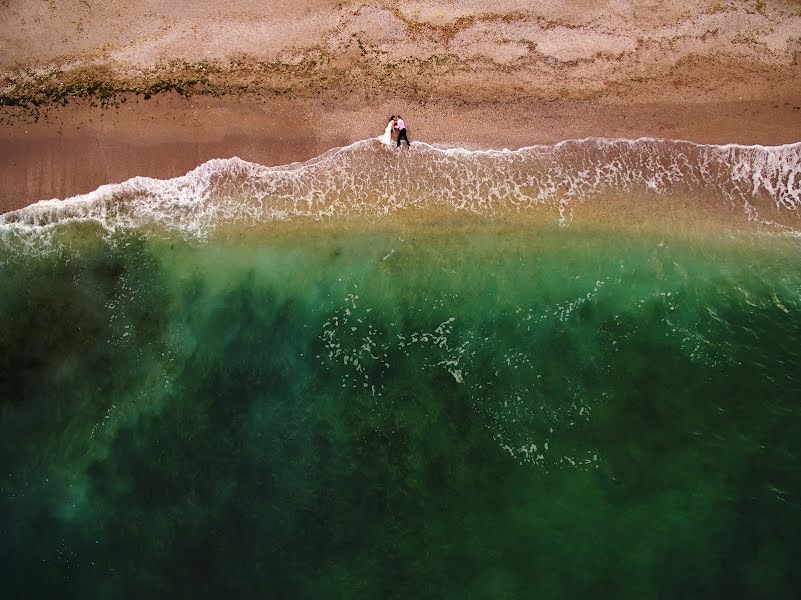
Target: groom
{"type": "Point", "coordinates": [400, 126]}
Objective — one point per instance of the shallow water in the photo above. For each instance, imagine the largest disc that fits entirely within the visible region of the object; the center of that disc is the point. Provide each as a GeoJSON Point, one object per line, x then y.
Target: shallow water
{"type": "Point", "coordinates": [482, 409]}
{"type": "Point", "coordinates": [737, 184]}
{"type": "Point", "coordinates": [441, 373]}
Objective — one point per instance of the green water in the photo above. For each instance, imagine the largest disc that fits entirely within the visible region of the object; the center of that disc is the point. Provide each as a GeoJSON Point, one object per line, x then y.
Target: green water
{"type": "Point", "coordinates": [477, 411]}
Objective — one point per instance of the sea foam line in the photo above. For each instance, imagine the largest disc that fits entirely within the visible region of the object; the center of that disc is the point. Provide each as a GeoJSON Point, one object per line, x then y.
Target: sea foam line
{"type": "Point", "coordinates": [368, 179]}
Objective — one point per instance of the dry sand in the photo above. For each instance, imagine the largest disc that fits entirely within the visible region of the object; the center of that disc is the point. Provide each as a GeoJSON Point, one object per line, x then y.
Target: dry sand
{"type": "Point", "coordinates": [284, 81]}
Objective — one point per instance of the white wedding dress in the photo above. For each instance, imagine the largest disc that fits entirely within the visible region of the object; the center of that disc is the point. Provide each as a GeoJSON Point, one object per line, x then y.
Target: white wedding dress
{"type": "Point", "coordinates": [386, 137]}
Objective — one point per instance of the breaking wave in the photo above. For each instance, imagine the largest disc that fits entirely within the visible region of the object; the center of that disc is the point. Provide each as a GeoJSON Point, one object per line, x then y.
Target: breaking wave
{"type": "Point", "coordinates": [366, 179]}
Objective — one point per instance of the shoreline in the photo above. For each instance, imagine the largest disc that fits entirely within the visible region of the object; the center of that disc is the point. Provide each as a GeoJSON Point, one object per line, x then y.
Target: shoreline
{"type": "Point", "coordinates": [613, 183]}
{"type": "Point", "coordinates": [97, 92]}
{"type": "Point", "coordinates": [75, 149]}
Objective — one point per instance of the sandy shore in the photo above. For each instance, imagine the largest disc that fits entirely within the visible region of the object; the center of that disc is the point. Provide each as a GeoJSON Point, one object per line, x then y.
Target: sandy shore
{"type": "Point", "coordinates": [284, 82]}
{"type": "Point", "coordinates": [80, 148]}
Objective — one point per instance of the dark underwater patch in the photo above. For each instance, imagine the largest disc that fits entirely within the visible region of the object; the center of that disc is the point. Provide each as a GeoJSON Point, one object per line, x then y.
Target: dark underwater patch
{"type": "Point", "coordinates": [546, 416]}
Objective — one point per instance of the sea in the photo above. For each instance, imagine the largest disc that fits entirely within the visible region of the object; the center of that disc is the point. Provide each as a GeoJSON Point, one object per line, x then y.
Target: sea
{"type": "Point", "coordinates": [563, 371]}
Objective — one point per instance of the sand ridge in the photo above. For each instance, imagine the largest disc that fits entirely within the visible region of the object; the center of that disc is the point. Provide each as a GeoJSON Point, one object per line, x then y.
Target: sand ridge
{"type": "Point", "coordinates": [553, 49]}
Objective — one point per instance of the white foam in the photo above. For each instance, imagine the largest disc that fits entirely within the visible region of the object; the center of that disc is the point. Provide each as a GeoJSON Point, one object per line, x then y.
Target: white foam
{"type": "Point", "coordinates": [369, 179]}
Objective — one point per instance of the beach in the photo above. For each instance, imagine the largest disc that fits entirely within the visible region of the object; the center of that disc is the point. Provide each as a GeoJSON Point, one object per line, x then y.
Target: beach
{"type": "Point", "coordinates": [251, 347]}
{"type": "Point", "coordinates": [77, 149]}
{"type": "Point", "coordinates": [277, 85]}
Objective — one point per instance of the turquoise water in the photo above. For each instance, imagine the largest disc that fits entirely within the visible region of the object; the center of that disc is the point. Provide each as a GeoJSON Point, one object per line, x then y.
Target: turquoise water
{"type": "Point", "coordinates": [475, 409]}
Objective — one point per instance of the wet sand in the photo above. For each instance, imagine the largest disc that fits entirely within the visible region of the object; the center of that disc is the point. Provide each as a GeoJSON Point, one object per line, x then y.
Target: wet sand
{"type": "Point", "coordinates": [78, 149]}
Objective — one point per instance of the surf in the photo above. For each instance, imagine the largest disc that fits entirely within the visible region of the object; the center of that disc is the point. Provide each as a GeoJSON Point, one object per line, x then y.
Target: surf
{"type": "Point", "coordinates": [369, 180]}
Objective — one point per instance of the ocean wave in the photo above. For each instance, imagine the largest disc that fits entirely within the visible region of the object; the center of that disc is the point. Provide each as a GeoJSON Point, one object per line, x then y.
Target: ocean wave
{"type": "Point", "coordinates": [367, 179]}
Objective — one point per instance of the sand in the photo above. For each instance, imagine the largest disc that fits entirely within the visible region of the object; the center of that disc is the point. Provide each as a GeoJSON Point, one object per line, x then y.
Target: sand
{"type": "Point", "coordinates": [284, 81]}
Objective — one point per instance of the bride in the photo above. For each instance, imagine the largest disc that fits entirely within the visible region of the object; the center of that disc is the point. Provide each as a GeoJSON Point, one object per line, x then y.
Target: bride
{"type": "Point", "coordinates": [386, 137]}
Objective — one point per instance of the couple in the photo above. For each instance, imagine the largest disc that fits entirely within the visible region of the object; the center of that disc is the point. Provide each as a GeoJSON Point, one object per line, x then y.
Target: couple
{"type": "Point", "coordinates": [396, 123]}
